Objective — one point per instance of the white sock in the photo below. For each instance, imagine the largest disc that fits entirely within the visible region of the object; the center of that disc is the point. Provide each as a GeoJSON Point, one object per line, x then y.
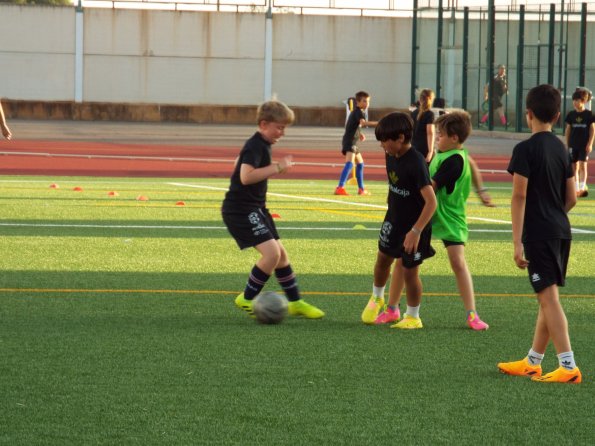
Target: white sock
{"type": "Point", "coordinates": [566, 360]}
{"type": "Point", "coordinates": [534, 358]}
{"type": "Point", "coordinates": [378, 291]}
{"type": "Point", "coordinates": [582, 186]}
{"type": "Point", "coordinates": [413, 311]}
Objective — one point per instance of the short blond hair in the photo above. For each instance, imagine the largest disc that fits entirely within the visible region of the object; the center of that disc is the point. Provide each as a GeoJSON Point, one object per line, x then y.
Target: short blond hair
{"type": "Point", "coordinates": [274, 111]}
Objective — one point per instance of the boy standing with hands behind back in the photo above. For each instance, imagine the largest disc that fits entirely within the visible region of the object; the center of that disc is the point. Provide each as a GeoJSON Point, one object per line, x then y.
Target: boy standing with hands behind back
{"type": "Point", "coordinates": [542, 194]}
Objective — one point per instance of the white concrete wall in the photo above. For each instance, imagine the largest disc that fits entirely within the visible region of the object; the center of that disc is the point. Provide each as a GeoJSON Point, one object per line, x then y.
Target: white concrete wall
{"type": "Point", "coordinates": [173, 57]}
{"type": "Point", "coordinates": [319, 59]}
{"type": "Point", "coordinates": [37, 52]}
{"type": "Point", "coordinates": [217, 58]}
{"type": "Point", "coordinates": [202, 57]}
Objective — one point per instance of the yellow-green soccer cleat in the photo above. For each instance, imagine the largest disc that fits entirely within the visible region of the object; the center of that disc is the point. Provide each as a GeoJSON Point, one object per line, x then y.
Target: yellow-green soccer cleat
{"type": "Point", "coordinates": [408, 323]}
{"type": "Point", "coordinates": [373, 308]}
{"type": "Point", "coordinates": [303, 308]}
{"type": "Point", "coordinates": [561, 375]}
{"type": "Point", "coordinates": [519, 368]}
{"type": "Point", "coordinates": [244, 304]}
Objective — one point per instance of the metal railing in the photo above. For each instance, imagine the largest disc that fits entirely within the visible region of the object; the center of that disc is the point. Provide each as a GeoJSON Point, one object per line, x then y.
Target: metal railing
{"type": "Point", "coordinates": [331, 7]}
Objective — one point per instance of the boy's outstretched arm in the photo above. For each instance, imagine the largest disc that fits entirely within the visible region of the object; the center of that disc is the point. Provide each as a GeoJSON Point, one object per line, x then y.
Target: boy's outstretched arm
{"type": "Point", "coordinates": [517, 210]}
{"type": "Point", "coordinates": [477, 179]}
{"type": "Point", "coordinates": [412, 238]}
{"type": "Point", "coordinates": [365, 123]}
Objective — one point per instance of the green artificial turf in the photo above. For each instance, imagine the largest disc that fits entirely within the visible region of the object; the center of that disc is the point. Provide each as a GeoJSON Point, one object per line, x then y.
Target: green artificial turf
{"type": "Point", "coordinates": [117, 325]}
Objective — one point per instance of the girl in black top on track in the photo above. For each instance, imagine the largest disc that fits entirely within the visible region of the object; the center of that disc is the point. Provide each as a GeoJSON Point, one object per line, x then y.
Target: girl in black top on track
{"type": "Point", "coordinates": [423, 130]}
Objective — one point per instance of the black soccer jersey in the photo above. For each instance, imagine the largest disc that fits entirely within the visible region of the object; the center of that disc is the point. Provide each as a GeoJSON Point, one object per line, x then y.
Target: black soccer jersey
{"type": "Point", "coordinates": [406, 176]}
{"type": "Point", "coordinates": [242, 198]}
{"type": "Point", "coordinates": [543, 160]}
{"type": "Point", "coordinates": [352, 129]}
{"type": "Point", "coordinates": [579, 123]}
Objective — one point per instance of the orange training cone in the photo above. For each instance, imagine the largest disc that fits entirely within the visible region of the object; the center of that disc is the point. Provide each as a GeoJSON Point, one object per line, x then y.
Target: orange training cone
{"type": "Point", "coordinates": [113, 193]}
{"type": "Point", "coordinates": [77, 189]}
{"type": "Point", "coordinates": [275, 216]}
{"type": "Point", "coordinates": [180, 203]}
{"type": "Point", "coordinates": [142, 198]}
{"type": "Point", "coordinates": [54, 186]}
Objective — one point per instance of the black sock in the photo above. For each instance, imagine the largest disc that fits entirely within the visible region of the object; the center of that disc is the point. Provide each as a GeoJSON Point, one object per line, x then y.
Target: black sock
{"type": "Point", "coordinates": [256, 282]}
{"type": "Point", "coordinates": [288, 282]}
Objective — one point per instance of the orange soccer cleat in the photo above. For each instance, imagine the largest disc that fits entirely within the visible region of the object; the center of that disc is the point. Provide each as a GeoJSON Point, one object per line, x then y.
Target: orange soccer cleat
{"type": "Point", "coordinates": [520, 368]}
{"type": "Point", "coordinates": [561, 375]}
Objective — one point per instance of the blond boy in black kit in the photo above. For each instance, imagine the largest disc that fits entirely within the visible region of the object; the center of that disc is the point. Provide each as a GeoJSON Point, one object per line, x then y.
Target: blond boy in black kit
{"type": "Point", "coordinates": [249, 221]}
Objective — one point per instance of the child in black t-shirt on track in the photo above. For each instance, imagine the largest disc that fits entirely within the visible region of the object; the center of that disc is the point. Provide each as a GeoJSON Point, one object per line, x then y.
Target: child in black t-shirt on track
{"type": "Point", "coordinates": [249, 221]}
{"type": "Point", "coordinates": [406, 231]}
{"type": "Point", "coordinates": [542, 194]}
{"type": "Point", "coordinates": [349, 144]}
{"type": "Point", "coordinates": [580, 134]}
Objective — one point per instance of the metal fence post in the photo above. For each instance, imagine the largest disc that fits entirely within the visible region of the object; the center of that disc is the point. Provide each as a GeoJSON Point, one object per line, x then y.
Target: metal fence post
{"type": "Point", "coordinates": [490, 62]}
{"type": "Point", "coordinates": [519, 109]}
{"type": "Point", "coordinates": [465, 55]}
{"type": "Point", "coordinates": [414, 49]}
{"type": "Point", "coordinates": [439, 51]}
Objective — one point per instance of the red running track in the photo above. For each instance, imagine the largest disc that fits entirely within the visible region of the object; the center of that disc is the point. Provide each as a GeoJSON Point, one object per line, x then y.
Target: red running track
{"type": "Point", "coordinates": [60, 158]}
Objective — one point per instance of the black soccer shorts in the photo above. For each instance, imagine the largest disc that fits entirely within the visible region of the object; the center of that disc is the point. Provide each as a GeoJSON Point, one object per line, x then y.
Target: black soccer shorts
{"type": "Point", "coordinates": [548, 262]}
{"type": "Point", "coordinates": [577, 154]}
{"type": "Point", "coordinates": [390, 242]}
{"type": "Point", "coordinates": [252, 228]}
{"type": "Point", "coordinates": [353, 149]}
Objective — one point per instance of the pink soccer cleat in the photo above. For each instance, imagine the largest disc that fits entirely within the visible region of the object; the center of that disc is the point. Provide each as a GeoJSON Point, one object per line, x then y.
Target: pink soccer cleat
{"type": "Point", "coordinates": [475, 323]}
{"type": "Point", "coordinates": [388, 316]}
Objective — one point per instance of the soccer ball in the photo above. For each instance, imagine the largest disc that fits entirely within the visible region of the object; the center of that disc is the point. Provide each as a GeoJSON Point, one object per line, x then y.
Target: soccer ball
{"type": "Point", "coordinates": [270, 308]}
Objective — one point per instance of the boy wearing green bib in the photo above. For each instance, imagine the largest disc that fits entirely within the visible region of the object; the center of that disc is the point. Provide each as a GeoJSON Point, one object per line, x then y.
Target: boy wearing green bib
{"type": "Point", "coordinates": [452, 170]}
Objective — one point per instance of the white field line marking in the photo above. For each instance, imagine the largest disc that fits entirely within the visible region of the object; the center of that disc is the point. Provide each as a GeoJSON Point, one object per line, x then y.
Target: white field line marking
{"type": "Point", "coordinates": [489, 220]}
{"type": "Point", "coordinates": [293, 197]}
{"type": "Point", "coordinates": [296, 197]}
{"type": "Point", "coordinates": [375, 206]}
{"type": "Point", "coordinates": [108, 226]}
{"type": "Point", "coordinates": [185, 159]}
{"type": "Point", "coordinates": [284, 228]}
{"type": "Point", "coordinates": [164, 158]}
